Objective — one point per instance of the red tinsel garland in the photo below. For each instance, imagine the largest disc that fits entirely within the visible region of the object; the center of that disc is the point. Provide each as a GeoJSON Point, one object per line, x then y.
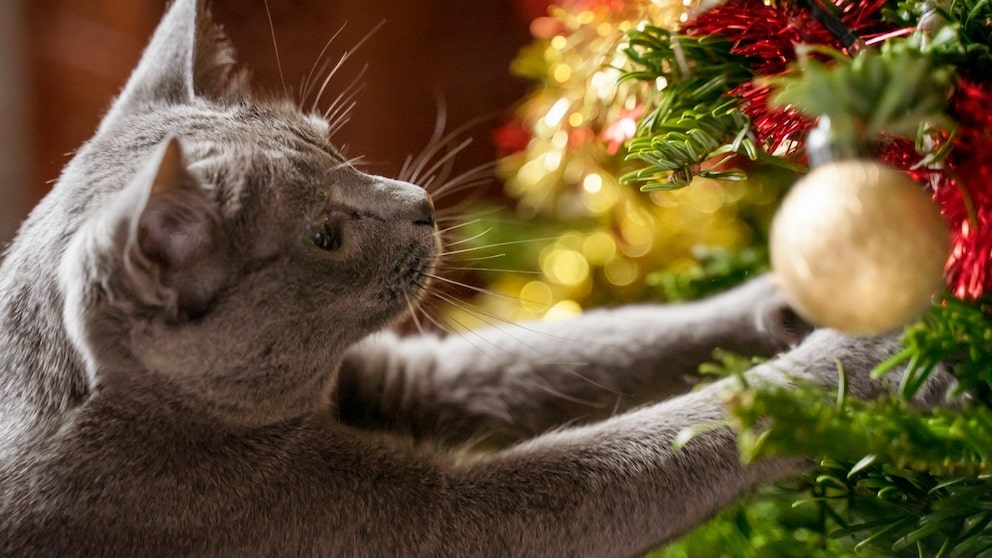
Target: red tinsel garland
{"type": "Point", "coordinates": [964, 192]}
{"type": "Point", "coordinates": [767, 36]}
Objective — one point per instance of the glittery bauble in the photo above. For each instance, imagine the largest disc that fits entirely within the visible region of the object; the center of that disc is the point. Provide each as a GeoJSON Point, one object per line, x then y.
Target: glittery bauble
{"type": "Point", "coordinates": [859, 247]}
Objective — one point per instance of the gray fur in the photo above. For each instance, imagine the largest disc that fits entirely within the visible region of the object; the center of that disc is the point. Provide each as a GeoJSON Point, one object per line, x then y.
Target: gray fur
{"type": "Point", "coordinates": [185, 373]}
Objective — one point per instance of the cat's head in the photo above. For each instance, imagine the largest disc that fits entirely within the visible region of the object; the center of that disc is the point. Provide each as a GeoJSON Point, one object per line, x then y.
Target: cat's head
{"type": "Point", "coordinates": [224, 244]}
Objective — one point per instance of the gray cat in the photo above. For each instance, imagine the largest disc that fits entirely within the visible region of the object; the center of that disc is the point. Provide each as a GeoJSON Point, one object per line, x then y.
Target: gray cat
{"type": "Point", "coordinates": [190, 364]}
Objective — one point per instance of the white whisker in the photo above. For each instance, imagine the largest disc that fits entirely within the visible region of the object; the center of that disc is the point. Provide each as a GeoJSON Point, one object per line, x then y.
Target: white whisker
{"type": "Point", "coordinates": [349, 162]}
{"type": "Point", "coordinates": [474, 217]}
{"type": "Point", "coordinates": [489, 269]}
{"type": "Point", "coordinates": [275, 47]}
{"type": "Point", "coordinates": [498, 244]}
{"type": "Point", "coordinates": [428, 301]}
{"type": "Point", "coordinates": [442, 164]}
{"type": "Point", "coordinates": [344, 58]}
{"type": "Point", "coordinates": [470, 239]}
{"type": "Point", "coordinates": [476, 176]}
{"type": "Point", "coordinates": [458, 226]}
{"type": "Point", "coordinates": [437, 136]}
{"type": "Point", "coordinates": [307, 83]}
{"type": "Point", "coordinates": [480, 290]}
{"type": "Point", "coordinates": [339, 113]}
{"type": "Point", "coordinates": [464, 329]}
{"type": "Point", "coordinates": [495, 322]}
{"type": "Point", "coordinates": [413, 313]}
{"type": "Point", "coordinates": [416, 169]}
{"type": "Point", "coordinates": [476, 259]}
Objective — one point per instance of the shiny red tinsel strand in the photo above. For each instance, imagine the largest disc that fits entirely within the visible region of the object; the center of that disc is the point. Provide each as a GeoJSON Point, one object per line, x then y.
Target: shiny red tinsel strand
{"type": "Point", "coordinates": [962, 188]}
{"type": "Point", "coordinates": [965, 192]}
{"type": "Point", "coordinates": [767, 37]}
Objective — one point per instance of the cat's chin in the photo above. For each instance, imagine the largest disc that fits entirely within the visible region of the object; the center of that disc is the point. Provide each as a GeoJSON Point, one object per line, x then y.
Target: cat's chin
{"type": "Point", "coordinates": [414, 276]}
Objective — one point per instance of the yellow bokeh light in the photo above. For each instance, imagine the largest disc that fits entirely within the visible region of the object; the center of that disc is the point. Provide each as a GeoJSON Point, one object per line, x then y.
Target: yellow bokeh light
{"type": "Point", "coordinates": [601, 193]}
{"type": "Point", "coordinates": [565, 267]}
{"type": "Point", "coordinates": [637, 228]}
{"type": "Point", "coordinates": [599, 248]}
{"type": "Point", "coordinates": [592, 183]}
{"type": "Point", "coordinates": [531, 172]}
{"type": "Point", "coordinates": [621, 271]}
{"type": "Point", "coordinates": [563, 310]}
{"type": "Point", "coordinates": [706, 196]}
{"type": "Point", "coordinates": [604, 83]}
{"type": "Point", "coordinates": [568, 170]}
{"type": "Point", "coordinates": [536, 296]}
{"type": "Point", "coordinates": [561, 73]}
{"type": "Point", "coordinates": [575, 169]}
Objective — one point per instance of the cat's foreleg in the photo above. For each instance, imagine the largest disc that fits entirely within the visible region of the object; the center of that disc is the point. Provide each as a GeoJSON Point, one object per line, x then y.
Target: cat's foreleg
{"type": "Point", "coordinates": [627, 467]}
{"type": "Point", "coordinates": [612, 488]}
{"type": "Point", "coordinates": [514, 381]}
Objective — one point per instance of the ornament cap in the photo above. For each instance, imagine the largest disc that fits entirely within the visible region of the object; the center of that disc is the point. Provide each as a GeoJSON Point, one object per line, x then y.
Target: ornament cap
{"type": "Point", "coordinates": [828, 142]}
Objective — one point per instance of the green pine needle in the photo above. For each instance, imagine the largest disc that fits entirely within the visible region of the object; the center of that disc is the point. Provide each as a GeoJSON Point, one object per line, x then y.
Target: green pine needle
{"type": "Point", "coordinates": [692, 120]}
{"type": "Point", "coordinates": [954, 332]}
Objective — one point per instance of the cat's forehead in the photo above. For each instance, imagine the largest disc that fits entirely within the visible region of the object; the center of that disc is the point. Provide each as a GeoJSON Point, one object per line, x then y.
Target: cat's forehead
{"type": "Point", "coordinates": [274, 129]}
{"type": "Point", "coordinates": [239, 136]}
{"type": "Point", "coordinates": [248, 155]}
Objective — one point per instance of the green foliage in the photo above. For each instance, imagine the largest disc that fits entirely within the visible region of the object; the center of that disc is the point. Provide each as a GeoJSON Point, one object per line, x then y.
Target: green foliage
{"type": "Point", "coordinates": [970, 23]}
{"type": "Point", "coordinates": [955, 332]}
{"type": "Point", "coordinates": [766, 524]}
{"type": "Point", "coordinates": [892, 480]}
{"type": "Point", "coordinates": [896, 91]}
{"type": "Point", "coordinates": [808, 421]}
{"type": "Point", "coordinates": [905, 512]}
{"type": "Point", "coordinates": [718, 271]}
{"type": "Point", "coordinates": [692, 120]}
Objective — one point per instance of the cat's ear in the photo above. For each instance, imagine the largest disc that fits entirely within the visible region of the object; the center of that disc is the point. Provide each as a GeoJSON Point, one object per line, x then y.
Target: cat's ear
{"type": "Point", "coordinates": [188, 56]}
{"type": "Point", "coordinates": [168, 237]}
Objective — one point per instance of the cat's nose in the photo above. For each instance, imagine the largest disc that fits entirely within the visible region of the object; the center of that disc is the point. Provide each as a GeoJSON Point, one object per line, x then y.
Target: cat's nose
{"type": "Point", "coordinates": [395, 199]}
{"type": "Point", "coordinates": [424, 211]}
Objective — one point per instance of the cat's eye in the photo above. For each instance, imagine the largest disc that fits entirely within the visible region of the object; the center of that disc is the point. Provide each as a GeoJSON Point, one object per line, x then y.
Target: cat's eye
{"type": "Point", "coordinates": [326, 236]}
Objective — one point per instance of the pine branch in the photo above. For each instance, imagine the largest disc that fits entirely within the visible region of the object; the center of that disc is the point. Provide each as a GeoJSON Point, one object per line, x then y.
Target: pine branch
{"type": "Point", "coordinates": [897, 479]}
{"type": "Point", "coordinates": [954, 332]}
{"type": "Point", "coordinates": [693, 119]}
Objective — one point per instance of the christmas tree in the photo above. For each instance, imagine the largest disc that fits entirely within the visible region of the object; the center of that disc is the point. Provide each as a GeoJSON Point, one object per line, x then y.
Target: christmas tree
{"type": "Point", "coordinates": [657, 146]}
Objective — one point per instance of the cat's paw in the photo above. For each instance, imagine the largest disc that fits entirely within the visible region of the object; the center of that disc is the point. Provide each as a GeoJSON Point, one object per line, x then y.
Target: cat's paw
{"type": "Point", "coordinates": [783, 323]}
{"type": "Point", "coordinates": [771, 315]}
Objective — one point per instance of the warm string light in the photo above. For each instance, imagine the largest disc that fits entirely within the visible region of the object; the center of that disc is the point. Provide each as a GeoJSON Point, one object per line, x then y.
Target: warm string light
{"type": "Point", "coordinates": [567, 168]}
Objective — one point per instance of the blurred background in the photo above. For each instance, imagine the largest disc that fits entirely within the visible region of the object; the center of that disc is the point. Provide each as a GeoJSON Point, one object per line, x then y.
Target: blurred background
{"type": "Point", "coordinates": [62, 61]}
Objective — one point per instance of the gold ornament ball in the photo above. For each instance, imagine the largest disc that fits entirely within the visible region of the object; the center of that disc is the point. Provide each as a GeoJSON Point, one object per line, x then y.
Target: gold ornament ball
{"type": "Point", "coordinates": [859, 247]}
